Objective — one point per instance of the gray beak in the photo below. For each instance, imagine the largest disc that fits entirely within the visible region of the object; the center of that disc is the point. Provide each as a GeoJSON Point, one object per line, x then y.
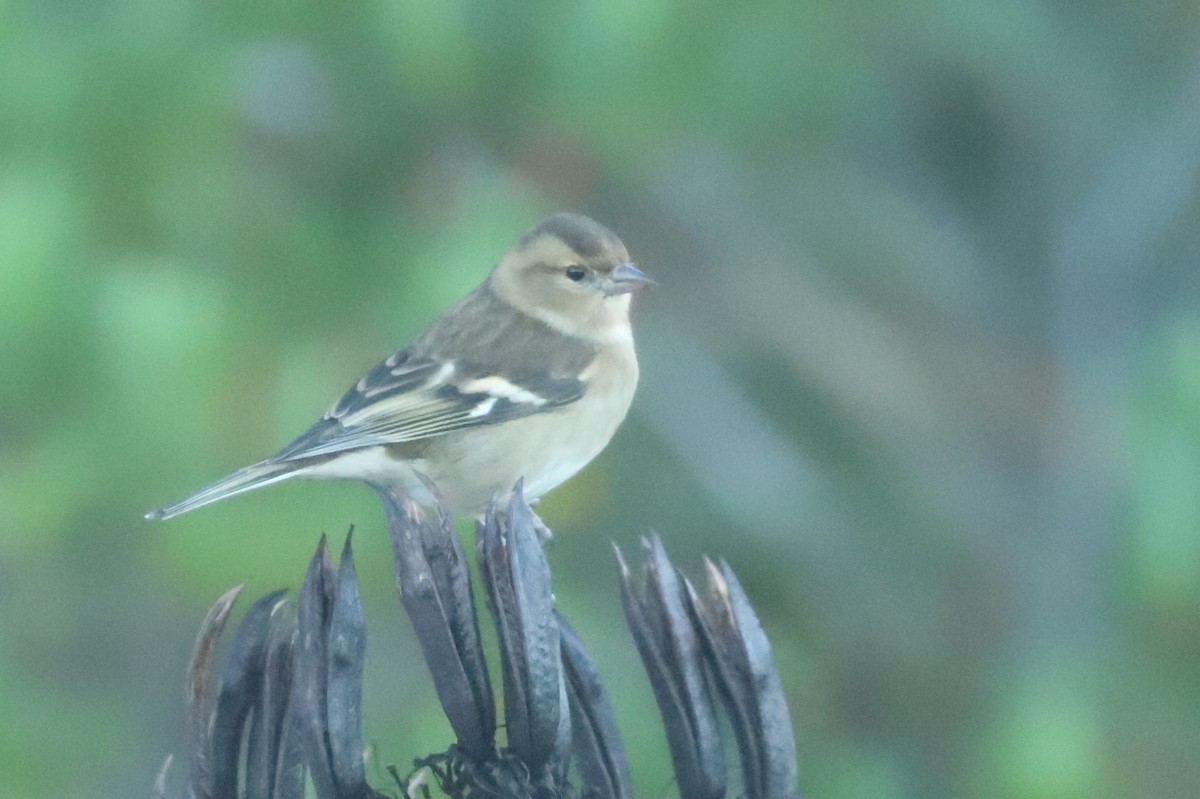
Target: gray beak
{"type": "Point", "coordinates": [626, 278]}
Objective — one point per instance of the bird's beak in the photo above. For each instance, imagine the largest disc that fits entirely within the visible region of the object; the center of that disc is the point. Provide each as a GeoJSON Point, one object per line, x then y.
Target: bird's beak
{"type": "Point", "coordinates": [626, 278]}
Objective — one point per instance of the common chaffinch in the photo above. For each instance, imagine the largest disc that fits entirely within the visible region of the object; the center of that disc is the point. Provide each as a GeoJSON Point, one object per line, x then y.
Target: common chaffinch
{"type": "Point", "coordinates": [528, 376]}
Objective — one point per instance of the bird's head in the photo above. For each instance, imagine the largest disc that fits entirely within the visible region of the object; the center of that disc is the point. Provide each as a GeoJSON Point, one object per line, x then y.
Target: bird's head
{"type": "Point", "coordinates": [572, 273]}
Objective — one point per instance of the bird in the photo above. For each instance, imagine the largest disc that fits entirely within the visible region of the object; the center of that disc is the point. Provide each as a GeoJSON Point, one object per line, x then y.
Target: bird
{"type": "Point", "coordinates": [526, 378]}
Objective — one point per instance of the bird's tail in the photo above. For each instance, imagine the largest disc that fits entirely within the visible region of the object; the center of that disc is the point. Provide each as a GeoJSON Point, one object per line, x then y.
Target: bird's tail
{"type": "Point", "coordinates": [263, 473]}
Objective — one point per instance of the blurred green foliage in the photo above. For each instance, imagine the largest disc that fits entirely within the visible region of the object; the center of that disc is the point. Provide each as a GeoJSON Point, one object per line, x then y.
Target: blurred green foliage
{"type": "Point", "coordinates": [923, 363]}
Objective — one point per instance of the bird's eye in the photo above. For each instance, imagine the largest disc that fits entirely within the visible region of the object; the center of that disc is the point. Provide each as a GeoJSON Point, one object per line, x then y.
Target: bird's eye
{"type": "Point", "coordinates": [576, 273]}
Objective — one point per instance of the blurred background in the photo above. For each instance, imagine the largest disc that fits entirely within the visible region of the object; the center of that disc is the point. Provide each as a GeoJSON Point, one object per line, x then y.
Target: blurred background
{"type": "Point", "coordinates": [923, 364]}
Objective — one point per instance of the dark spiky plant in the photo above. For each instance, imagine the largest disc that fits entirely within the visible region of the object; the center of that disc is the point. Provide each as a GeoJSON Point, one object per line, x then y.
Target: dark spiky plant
{"type": "Point", "coordinates": [286, 700]}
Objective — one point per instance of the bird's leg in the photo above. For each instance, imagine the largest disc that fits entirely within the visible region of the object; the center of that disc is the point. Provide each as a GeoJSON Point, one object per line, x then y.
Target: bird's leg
{"type": "Point", "coordinates": [544, 533]}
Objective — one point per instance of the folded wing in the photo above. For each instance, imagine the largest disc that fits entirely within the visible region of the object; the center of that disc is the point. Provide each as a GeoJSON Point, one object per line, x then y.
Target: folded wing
{"type": "Point", "coordinates": [408, 398]}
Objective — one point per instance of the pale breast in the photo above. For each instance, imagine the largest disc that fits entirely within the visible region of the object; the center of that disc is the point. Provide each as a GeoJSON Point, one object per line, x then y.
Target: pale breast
{"type": "Point", "coordinates": [545, 449]}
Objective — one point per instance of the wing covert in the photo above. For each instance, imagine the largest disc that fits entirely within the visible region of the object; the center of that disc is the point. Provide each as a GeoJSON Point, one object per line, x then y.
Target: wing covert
{"type": "Point", "coordinates": [410, 401]}
{"type": "Point", "coordinates": [480, 363]}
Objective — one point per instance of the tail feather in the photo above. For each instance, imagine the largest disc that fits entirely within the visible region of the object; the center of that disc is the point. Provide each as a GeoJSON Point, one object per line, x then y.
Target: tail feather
{"type": "Point", "coordinates": [263, 473]}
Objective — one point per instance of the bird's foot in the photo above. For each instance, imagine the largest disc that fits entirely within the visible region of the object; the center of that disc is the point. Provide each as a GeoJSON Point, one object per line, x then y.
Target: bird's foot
{"type": "Point", "coordinates": [544, 533]}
